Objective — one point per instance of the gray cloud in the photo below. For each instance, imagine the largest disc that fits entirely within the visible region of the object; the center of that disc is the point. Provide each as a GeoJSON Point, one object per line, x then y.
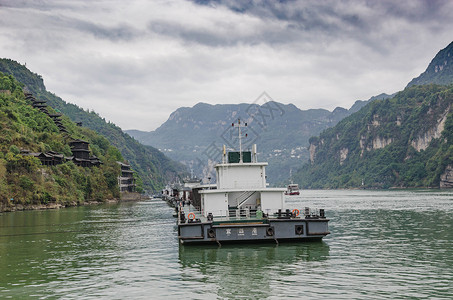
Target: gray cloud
{"type": "Point", "coordinates": [315, 13]}
{"type": "Point", "coordinates": [134, 62]}
{"type": "Point", "coordinates": [120, 32]}
{"type": "Point", "coordinates": [340, 19]}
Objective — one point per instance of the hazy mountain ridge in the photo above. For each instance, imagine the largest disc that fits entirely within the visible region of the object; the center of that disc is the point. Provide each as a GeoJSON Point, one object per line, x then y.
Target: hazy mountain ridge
{"type": "Point", "coordinates": [280, 130]}
{"type": "Point", "coordinates": [284, 141]}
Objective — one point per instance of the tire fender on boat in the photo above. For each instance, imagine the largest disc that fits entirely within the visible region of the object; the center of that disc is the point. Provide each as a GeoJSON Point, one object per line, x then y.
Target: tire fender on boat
{"type": "Point", "coordinates": [211, 233]}
{"type": "Point", "coordinates": [270, 231]}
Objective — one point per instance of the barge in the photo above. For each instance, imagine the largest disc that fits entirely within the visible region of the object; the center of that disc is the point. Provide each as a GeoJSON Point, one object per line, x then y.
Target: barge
{"type": "Point", "coordinates": [241, 207]}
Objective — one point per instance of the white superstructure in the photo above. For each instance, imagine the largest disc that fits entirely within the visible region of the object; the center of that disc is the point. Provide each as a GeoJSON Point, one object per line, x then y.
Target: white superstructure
{"type": "Point", "coordinates": [241, 186]}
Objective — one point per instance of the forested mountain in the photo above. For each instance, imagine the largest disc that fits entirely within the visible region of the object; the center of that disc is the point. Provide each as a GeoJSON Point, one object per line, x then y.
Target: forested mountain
{"type": "Point", "coordinates": [406, 141]}
{"type": "Point", "coordinates": [152, 166]}
{"type": "Point", "coordinates": [195, 135]}
{"type": "Point", "coordinates": [439, 71]}
{"type": "Point", "coordinates": [27, 131]}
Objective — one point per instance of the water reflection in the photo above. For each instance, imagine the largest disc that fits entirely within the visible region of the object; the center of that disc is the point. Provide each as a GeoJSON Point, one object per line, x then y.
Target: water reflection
{"type": "Point", "coordinates": [248, 270]}
{"type": "Point", "coordinates": [257, 255]}
{"type": "Point", "coordinates": [39, 247]}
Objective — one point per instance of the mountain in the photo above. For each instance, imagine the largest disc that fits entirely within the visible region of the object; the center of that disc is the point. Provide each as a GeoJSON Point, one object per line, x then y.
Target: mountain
{"type": "Point", "coordinates": [152, 166]}
{"type": "Point", "coordinates": [195, 135]}
{"type": "Point", "coordinates": [360, 103]}
{"type": "Point", "coordinates": [439, 71]}
{"type": "Point", "coordinates": [405, 141]}
{"type": "Point", "coordinates": [32, 133]}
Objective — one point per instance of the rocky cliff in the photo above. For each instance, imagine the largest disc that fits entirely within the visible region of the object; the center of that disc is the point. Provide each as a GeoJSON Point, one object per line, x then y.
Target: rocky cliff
{"type": "Point", "coordinates": [446, 179]}
{"type": "Point", "coordinates": [406, 141]}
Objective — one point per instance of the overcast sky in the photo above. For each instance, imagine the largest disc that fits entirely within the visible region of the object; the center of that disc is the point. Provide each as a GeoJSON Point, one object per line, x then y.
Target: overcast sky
{"type": "Point", "coordinates": [134, 62]}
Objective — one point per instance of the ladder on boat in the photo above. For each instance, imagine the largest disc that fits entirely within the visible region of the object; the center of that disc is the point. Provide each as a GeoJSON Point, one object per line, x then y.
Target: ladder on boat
{"type": "Point", "coordinates": [242, 198]}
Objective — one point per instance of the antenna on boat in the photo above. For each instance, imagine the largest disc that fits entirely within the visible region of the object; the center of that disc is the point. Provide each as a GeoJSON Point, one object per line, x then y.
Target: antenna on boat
{"type": "Point", "coordinates": [254, 152]}
{"type": "Point", "coordinates": [240, 138]}
{"type": "Point", "coordinates": [224, 155]}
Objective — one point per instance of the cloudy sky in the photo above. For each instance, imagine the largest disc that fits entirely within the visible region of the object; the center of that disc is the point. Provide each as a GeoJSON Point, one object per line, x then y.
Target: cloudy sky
{"type": "Point", "coordinates": [136, 61]}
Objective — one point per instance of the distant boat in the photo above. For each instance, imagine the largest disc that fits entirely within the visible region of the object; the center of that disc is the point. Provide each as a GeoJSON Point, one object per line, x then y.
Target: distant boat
{"type": "Point", "coordinates": [293, 189]}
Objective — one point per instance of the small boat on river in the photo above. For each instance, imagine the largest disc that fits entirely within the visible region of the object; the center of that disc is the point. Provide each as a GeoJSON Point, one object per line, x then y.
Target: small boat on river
{"type": "Point", "coordinates": [292, 189]}
{"type": "Point", "coordinates": [241, 208]}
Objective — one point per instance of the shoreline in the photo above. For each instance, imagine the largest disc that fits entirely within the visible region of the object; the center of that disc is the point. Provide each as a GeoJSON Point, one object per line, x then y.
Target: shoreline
{"type": "Point", "coordinates": [125, 197]}
{"type": "Point", "coordinates": [22, 207]}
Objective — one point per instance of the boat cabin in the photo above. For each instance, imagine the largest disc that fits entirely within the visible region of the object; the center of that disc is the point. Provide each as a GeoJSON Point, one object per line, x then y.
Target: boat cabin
{"type": "Point", "coordinates": [241, 188]}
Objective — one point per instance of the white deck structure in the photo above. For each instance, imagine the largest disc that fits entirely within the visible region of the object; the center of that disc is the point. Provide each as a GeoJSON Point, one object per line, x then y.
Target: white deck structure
{"type": "Point", "coordinates": [241, 186]}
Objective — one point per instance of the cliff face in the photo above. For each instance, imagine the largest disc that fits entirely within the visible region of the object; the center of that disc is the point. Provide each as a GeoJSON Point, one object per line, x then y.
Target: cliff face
{"type": "Point", "coordinates": [422, 142]}
{"type": "Point", "coordinates": [403, 141]}
{"type": "Point", "coordinates": [446, 179]}
{"type": "Point", "coordinates": [312, 150]}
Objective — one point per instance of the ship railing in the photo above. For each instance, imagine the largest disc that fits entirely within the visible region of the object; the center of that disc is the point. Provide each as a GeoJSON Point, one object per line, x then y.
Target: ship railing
{"type": "Point", "coordinates": [248, 214]}
{"type": "Point", "coordinates": [231, 214]}
{"type": "Point", "coordinates": [237, 214]}
{"type": "Point", "coordinates": [192, 213]}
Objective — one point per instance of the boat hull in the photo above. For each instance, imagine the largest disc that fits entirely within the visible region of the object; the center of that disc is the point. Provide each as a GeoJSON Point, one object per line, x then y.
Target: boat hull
{"type": "Point", "coordinates": [252, 231]}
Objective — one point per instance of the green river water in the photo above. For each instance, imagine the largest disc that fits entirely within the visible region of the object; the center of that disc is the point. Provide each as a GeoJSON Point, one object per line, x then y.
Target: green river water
{"type": "Point", "coordinates": [383, 245]}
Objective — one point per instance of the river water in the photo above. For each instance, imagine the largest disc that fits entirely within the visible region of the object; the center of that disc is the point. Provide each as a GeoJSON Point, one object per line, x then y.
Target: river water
{"type": "Point", "coordinates": [383, 245]}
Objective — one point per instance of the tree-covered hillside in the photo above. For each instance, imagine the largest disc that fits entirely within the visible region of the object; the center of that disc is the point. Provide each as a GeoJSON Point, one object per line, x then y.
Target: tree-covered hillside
{"type": "Point", "coordinates": [24, 180]}
{"type": "Point", "coordinates": [405, 141]}
{"type": "Point", "coordinates": [152, 166]}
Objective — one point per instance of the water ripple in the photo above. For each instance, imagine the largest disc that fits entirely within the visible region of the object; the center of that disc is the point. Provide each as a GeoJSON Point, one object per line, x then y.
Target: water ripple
{"type": "Point", "coordinates": [383, 245]}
